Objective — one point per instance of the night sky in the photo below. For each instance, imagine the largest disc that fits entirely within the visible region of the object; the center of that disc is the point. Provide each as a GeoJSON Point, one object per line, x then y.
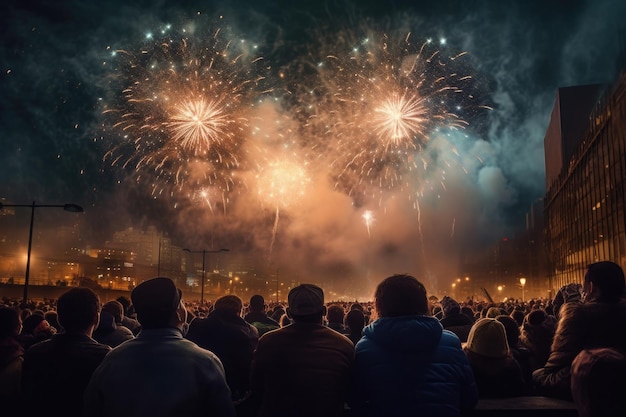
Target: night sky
{"type": "Point", "coordinates": [60, 75]}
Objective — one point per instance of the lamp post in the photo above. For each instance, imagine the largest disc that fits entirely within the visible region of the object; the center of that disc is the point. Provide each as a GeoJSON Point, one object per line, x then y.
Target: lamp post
{"type": "Point", "coordinates": [522, 282]}
{"type": "Point", "coordinates": [73, 208]}
{"type": "Point", "coordinates": [204, 252]}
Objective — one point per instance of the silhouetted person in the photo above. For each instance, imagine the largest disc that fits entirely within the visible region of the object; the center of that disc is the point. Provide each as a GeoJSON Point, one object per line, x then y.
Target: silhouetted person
{"type": "Point", "coordinates": [11, 357]}
{"type": "Point", "coordinates": [335, 316]}
{"type": "Point", "coordinates": [225, 333]}
{"type": "Point", "coordinates": [496, 371]}
{"type": "Point", "coordinates": [454, 320]}
{"type": "Point", "coordinates": [406, 363]}
{"type": "Point", "coordinates": [258, 315]}
{"type": "Point", "coordinates": [159, 373]}
{"type": "Point", "coordinates": [598, 322]}
{"type": "Point", "coordinates": [302, 369]}
{"type": "Point", "coordinates": [355, 320]}
{"type": "Point", "coordinates": [598, 383]}
{"type": "Point", "coordinates": [56, 371]}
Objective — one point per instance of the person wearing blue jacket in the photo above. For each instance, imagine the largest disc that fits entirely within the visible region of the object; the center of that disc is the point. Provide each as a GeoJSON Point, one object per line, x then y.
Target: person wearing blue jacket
{"type": "Point", "coordinates": [406, 363]}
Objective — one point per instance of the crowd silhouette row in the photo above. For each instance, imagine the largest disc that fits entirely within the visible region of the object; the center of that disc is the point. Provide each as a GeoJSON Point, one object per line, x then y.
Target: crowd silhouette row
{"type": "Point", "coordinates": [402, 354]}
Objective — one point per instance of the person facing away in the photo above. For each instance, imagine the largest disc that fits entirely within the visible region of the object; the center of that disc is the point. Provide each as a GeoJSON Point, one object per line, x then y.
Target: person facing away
{"type": "Point", "coordinates": [128, 315]}
{"type": "Point", "coordinates": [109, 333]}
{"type": "Point", "coordinates": [335, 315]}
{"type": "Point", "coordinates": [56, 371]}
{"type": "Point", "coordinates": [302, 369]}
{"type": "Point", "coordinates": [454, 320]}
{"type": "Point", "coordinates": [597, 382]}
{"type": "Point", "coordinates": [496, 371]}
{"type": "Point", "coordinates": [406, 363]}
{"type": "Point", "coordinates": [225, 333]}
{"type": "Point", "coordinates": [258, 315]}
{"type": "Point", "coordinates": [598, 322]}
{"type": "Point", "coordinates": [355, 321]}
{"type": "Point", "coordinates": [158, 373]}
{"type": "Point", "coordinates": [11, 357]}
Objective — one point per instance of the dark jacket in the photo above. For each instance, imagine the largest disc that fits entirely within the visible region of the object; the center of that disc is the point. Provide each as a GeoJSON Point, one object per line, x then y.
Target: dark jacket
{"type": "Point", "coordinates": [302, 370]}
{"type": "Point", "coordinates": [233, 340]}
{"type": "Point", "coordinates": [459, 324]}
{"type": "Point", "coordinates": [158, 374]}
{"type": "Point", "coordinates": [55, 373]}
{"type": "Point", "coordinates": [581, 326]}
{"type": "Point", "coordinates": [498, 377]}
{"type": "Point", "coordinates": [411, 366]}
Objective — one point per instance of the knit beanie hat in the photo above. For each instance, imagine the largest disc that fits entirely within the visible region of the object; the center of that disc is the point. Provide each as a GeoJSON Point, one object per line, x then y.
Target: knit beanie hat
{"type": "Point", "coordinates": [487, 337]}
{"type": "Point", "coordinates": [450, 306]}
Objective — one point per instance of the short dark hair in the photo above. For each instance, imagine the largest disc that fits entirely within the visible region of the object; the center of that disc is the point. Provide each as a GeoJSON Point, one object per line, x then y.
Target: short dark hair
{"type": "Point", "coordinates": [355, 320]}
{"type": "Point", "coordinates": [608, 277]}
{"type": "Point", "coordinates": [257, 303]}
{"type": "Point", "coordinates": [401, 295]}
{"type": "Point", "coordinates": [335, 314]}
{"type": "Point", "coordinates": [229, 303]}
{"type": "Point", "coordinates": [76, 308]}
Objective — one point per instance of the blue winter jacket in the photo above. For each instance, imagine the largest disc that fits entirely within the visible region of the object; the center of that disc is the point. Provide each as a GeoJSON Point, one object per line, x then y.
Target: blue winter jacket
{"type": "Point", "coordinates": [411, 366]}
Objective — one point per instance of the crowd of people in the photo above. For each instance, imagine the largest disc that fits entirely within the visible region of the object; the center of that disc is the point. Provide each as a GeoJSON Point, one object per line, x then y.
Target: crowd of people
{"type": "Point", "coordinates": [403, 354]}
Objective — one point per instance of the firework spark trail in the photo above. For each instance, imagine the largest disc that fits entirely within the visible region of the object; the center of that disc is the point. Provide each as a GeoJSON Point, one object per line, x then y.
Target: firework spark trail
{"type": "Point", "coordinates": [179, 111]}
{"type": "Point", "coordinates": [281, 183]}
{"type": "Point", "coordinates": [377, 103]}
{"type": "Point", "coordinates": [368, 218]}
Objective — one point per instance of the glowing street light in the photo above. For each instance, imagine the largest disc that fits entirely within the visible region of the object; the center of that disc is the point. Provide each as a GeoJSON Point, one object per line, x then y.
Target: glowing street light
{"type": "Point", "coordinates": [204, 252]}
{"type": "Point", "coordinates": [522, 282]}
{"type": "Point", "coordinates": [73, 208]}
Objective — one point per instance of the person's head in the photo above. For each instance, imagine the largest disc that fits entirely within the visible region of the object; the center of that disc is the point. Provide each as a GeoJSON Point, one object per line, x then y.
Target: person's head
{"type": "Point", "coordinates": [125, 302]}
{"type": "Point", "coordinates": [30, 323]}
{"type": "Point", "coordinates": [229, 304]}
{"type": "Point", "coordinates": [487, 338]}
{"type": "Point", "coordinates": [401, 295]}
{"type": "Point", "coordinates": [257, 304]}
{"type": "Point", "coordinates": [518, 316]}
{"type": "Point", "coordinates": [10, 323]}
{"type": "Point", "coordinates": [355, 320]}
{"type": "Point", "coordinates": [116, 309]}
{"type": "Point", "coordinates": [79, 310]}
{"type": "Point", "coordinates": [604, 281]}
{"type": "Point", "coordinates": [306, 303]}
{"type": "Point", "coordinates": [512, 329]}
{"type": "Point", "coordinates": [335, 314]}
{"type": "Point", "coordinates": [158, 304]}
{"type": "Point", "coordinates": [493, 312]}
{"type": "Point", "coordinates": [449, 306]}
{"type": "Point", "coordinates": [53, 318]}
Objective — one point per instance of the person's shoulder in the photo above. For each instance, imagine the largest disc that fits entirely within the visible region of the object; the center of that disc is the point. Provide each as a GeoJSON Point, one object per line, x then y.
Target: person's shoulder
{"type": "Point", "coordinates": [449, 339]}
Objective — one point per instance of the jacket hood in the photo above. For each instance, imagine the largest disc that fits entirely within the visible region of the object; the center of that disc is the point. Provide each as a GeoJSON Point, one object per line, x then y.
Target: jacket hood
{"type": "Point", "coordinates": [406, 333]}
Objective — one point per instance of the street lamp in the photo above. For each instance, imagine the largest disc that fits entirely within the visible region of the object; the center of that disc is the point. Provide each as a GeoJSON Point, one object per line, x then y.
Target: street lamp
{"type": "Point", "coordinates": [522, 282]}
{"type": "Point", "coordinates": [73, 208]}
{"type": "Point", "coordinates": [204, 252]}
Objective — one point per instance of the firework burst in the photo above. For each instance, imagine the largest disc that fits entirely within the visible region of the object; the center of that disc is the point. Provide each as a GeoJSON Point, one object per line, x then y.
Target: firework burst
{"type": "Point", "coordinates": [378, 102]}
{"type": "Point", "coordinates": [179, 111]}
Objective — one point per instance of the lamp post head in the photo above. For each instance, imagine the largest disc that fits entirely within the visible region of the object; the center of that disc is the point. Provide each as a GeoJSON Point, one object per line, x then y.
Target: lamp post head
{"type": "Point", "coordinates": [522, 281]}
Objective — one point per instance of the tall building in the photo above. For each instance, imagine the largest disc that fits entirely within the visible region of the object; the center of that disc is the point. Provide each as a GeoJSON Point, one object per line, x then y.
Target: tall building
{"type": "Point", "coordinates": [584, 206]}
